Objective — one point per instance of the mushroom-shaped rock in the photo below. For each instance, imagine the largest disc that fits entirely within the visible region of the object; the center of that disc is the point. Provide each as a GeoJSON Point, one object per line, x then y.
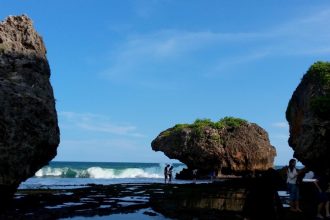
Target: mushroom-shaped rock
{"type": "Point", "coordinates": [231, 144]}
{"type": "Point", "coordinates": [308, 114]}
{"type": "Point", "coordinates": [29, 133]}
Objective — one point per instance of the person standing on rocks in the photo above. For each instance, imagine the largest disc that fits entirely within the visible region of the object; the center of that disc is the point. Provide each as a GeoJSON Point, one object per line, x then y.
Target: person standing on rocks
{"type": "Point", "coordinates": [194, 173]}
{"type": "Point", "coordinates": [212, 176]}
{"type": "Point", "coordinates": [166, 169]}
{"type": "Point", "coordinates": [170, 173]}
{"type": "Point", "coordinates": [322, 185]}
{"type": "Point", "coordinates": [293, 189]}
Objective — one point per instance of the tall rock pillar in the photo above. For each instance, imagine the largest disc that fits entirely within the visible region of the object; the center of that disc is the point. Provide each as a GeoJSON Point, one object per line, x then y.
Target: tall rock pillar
{"type": "Point", "coordinates": [29, 132]}
{"type": "Point", "coordinates": [308, 114]}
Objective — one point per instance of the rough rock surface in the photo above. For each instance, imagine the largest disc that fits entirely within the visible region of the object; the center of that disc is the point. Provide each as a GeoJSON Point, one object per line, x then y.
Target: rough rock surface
{"type": "Point", "coordinates": [244, 147]}
{"type": "Point", "coordinates": [29, 133]}
{"type": "Point", "coordinates": [308, 114]}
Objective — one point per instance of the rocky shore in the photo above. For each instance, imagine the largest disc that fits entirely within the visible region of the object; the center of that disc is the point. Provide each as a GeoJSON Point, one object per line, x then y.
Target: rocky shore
{"type": "Point", "coordinates": [223, 199]}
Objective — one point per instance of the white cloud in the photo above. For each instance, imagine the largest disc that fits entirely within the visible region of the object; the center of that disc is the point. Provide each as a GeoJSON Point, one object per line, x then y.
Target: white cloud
{"type": "Point", "coordinates": [156, 60]}
{"type": "Point", "coordinates": [282, 137]}
{"type": "Point", "coordinates": [169, 43]}
{"type": "Point", "coordinates": [165, 52]}
{"type": "Point", "coordinates": [97, 143]}
{"type": "Point", "coordinates": [114, 150]}
{"type": "Point", "coordinates": [147, 8]}
{"type": "Point", "coordinates": [96, 123]}
{"type": "Point", "coordinates": [230, 62]}
{"type": "Point", "coordinates": [98, 150]}
{"type": "Point", "coordinates": [280, 125]}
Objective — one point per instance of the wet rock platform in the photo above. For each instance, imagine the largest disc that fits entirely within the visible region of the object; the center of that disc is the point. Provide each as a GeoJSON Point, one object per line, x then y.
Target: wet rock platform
{"type": "Point", "coordinates": [221, 200]}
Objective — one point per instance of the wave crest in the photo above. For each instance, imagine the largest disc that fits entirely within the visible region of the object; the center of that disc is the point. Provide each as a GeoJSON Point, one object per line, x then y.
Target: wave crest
{"type": "Point", "coordinates": [98, 173]}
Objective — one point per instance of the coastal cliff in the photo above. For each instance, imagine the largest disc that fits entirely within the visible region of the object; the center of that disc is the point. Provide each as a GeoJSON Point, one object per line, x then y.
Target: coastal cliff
{"type": "Point", "coordinates": [231, 145]}
{"type": "Point", "coordinates": [308, 114]}
{"type": "Point", "coordinates": [29, 132]}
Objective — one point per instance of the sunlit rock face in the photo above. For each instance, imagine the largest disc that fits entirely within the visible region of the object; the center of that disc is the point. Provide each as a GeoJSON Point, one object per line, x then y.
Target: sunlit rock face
{"type": "Point", "coordinates": [29, 133]}
{"type": "Point", "coordinates": [308, 114]}
{"type": "Point", "coordinates": [231, 144]}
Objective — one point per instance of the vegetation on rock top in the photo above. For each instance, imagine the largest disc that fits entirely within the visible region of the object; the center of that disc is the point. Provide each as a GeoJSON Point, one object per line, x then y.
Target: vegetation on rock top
{"type": "Point", "coordinates": [201, 124]}
{"type": "Point", "coordinates": [319, 74]}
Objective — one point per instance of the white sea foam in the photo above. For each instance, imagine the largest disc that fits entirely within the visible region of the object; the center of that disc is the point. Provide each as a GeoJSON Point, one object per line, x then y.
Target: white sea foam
{"type": "Point", "coordinates": [48, 171]}
{"type": "Point", "coordinates": [138, 173]}
{"type": "Point", "coordinates": [63, 175]}
{"type": "Point", "coordinates": [100, 173]}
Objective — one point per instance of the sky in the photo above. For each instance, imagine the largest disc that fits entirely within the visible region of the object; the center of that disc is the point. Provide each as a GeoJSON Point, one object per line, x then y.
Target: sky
{"type": "Point", "coordinates": [123, 71]}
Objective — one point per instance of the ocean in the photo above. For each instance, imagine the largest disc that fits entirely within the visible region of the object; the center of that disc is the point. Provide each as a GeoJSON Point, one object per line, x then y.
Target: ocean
{"type": "Point", "coordinates": [76, 174]}
{"type": "Point", "coordinates": [68, 175]}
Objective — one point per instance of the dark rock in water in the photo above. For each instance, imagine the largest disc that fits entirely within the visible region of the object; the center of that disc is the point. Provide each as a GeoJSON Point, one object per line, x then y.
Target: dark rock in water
{"type": "Point", "coordinates": [202, 201]}
{"type": "Point", "coordinates": [263, 201]}
{"type": "Point", "coordinates": [29, 133]}
{"type": "Point", "coordinates": [308, 114]}
{"type": "Point", "coordinates": [230, 145]}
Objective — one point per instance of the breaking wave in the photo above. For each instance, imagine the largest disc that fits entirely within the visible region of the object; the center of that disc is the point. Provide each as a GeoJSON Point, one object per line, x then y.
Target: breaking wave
{"type": "Point", "coordinates": [98, 172]}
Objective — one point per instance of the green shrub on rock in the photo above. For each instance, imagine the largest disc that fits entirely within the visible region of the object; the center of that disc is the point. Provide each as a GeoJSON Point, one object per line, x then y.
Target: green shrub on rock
{"type": "Point", "coordinates": [199, 125]}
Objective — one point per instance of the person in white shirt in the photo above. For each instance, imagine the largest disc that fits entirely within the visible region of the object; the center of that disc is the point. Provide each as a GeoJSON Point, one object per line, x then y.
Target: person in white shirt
{"type": "Point", "coordinates": [293, 189]}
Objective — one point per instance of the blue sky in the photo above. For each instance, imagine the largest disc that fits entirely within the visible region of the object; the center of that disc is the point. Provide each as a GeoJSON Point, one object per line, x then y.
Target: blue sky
{"type": "Point", "coordinates": [123, 71]}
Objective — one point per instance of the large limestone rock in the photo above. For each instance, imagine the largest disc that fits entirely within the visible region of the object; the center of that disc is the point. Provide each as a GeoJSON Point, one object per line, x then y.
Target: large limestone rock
{"type": "Point", "coordinates": [308, 114]}
{"type": "Point", "coordinates": [233, 145]}
{"type": "Point", "coordinates": [29, 133]}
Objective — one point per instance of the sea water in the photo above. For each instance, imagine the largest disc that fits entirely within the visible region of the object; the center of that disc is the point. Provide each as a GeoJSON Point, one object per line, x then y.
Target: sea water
{"type": "Point", "coordinates": [77, 174]}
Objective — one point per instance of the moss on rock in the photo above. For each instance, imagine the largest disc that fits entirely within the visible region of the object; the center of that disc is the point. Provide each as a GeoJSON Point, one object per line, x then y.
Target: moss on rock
{"type": "Point", "coordinates": [199, 125]}
{"type": "Point", "coordinates": [319, 73]}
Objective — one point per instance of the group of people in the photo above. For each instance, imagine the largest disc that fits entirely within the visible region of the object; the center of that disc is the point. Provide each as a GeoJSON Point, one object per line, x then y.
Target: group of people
{"type": "Point", "coordinates": [168, 172]}
{"type": "Point", "coordinates": [294, 178]}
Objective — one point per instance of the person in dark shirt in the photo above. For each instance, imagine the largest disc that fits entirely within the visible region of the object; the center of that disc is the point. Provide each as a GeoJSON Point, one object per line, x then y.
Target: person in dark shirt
{"type": "Point", "coordinates": [166, 172]}
{"type": "Point", "coordinates": [194, 174]}
{"type": "Point", "coordinates": [322, 184]}
{"type": "Point", "coordinates": [170, 174]}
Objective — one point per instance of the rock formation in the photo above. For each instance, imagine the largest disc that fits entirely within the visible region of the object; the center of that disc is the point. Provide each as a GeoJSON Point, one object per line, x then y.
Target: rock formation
{"type": "Point", "coordinates": [308, 114]}
{"type": "Point", "coordinates": [231, 145]}
{"type": "Point", "coordinates": [29, 133]}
